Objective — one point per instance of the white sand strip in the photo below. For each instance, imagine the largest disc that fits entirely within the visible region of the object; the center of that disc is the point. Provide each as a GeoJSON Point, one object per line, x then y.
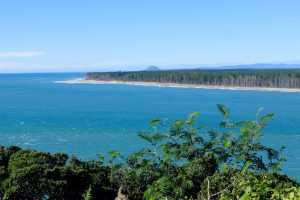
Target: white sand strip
{"type": "Point", "coordinates": [158, 84]}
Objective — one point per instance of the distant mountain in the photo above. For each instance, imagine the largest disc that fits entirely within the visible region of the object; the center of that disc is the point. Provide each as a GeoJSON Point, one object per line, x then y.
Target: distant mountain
{"type": "Point", "coordinates": [152, 68]}
{"type": "Point", "coordinates": [257, 66]}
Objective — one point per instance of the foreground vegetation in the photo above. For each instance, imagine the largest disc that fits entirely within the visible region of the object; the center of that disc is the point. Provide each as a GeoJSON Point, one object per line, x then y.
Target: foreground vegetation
{"type": "Point", "coordinates": [234, 78]}
{"type": "Point", "coordinates": [182, 161]}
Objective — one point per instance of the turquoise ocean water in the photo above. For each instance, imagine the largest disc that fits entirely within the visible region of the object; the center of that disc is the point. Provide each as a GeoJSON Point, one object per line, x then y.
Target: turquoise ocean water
{"type": "Point", "coordinates": [87, 120]}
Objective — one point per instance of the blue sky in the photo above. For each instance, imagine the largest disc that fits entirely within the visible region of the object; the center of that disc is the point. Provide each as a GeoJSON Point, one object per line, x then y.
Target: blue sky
{"type": "Point", "coordinates": [96, 35]}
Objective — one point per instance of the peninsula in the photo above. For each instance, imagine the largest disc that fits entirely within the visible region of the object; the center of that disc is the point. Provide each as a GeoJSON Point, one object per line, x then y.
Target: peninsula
{"type": "Point", "coordinates": [285, 80]}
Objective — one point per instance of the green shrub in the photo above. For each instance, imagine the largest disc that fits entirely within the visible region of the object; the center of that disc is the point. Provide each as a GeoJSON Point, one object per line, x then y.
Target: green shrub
{"type": "Point", "coordinates": [183, 160]}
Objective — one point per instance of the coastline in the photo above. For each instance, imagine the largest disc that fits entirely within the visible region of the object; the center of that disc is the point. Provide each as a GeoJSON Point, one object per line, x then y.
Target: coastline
{"type": "Point", "coordinates": [175, 85]}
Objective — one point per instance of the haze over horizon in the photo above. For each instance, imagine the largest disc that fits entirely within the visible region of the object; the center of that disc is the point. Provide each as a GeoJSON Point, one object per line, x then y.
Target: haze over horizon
{"type": "Point", "coordinates": [62, 36]}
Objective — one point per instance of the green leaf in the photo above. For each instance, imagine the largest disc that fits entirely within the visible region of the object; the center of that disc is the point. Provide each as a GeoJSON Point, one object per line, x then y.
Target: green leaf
{"type": "Point", "coordinates": [267, 117]}
{"type": "Point", "coordinates": [227, 144]}
{"type": "Point", "coordinates": [154, 122]}
{"type": "Point", "coordinates": [193, 114]}
{"type": "Point", "coordinates": [223, 110]}
{"type": "Point", "coordinates": [246, 166]}
{"type": "Point", "coordinates": [179, 123]}
{"type": "Point", "coordinates": [223, 123]}
{"type": "Point", "coordinates": [146, 136]}
{"type": "Point", "coordinates": [114, 153]}
{"type": "Point", "coordinates": [88, 194]}
{"type": "Point", "coordinates": [158, 137]}
{"type": "Point", "coordinates": [224, 167]}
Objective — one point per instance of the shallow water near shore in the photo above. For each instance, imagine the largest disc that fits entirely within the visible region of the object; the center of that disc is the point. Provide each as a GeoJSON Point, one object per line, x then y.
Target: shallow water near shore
{"type": "Point", "coordinates": [87, 120]}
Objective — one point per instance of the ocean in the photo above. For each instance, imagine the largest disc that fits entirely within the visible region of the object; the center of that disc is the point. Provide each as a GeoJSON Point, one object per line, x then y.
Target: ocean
{"type": "Point", "coordinates": [88, 120]}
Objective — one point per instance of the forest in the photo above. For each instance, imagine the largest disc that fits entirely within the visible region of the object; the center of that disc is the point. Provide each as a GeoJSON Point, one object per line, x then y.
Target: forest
{"type": "Point", "coordinates": [183, 160]}
{"type": "Point", "coordinates": [274, 78]}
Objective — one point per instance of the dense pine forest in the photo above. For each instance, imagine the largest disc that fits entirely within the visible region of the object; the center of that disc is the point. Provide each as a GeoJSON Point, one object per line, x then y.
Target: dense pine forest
{"type": "Point", "coordinates": [183, 160]}
{"type": "Point", "coordinates": [276, 78]}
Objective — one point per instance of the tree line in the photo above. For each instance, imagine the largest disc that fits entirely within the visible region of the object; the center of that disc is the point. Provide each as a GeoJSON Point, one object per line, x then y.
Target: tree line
{"type": "Point", "coordinates": [183, 160]}
{"type": "Point", "coordinates": [289, 78]}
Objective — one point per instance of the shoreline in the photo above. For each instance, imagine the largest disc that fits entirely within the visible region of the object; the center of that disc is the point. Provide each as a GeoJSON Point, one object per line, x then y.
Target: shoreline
{"type": "Point", "coordinates": [176, 85]}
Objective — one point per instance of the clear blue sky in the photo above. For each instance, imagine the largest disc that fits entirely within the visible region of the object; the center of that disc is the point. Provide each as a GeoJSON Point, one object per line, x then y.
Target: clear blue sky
{"type": "Point", "coordinates": [87, 35]}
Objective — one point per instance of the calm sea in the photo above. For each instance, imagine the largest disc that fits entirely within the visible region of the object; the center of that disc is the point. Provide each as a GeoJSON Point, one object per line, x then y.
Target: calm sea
{"type": "Point", "coordinates": [88, 120]}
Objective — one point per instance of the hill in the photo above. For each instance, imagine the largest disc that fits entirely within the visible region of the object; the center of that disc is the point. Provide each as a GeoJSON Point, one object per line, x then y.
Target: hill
{"type": "Point", "coordinates": [152, 68]}
{"type": "Point", "coordinates": [256, 66]}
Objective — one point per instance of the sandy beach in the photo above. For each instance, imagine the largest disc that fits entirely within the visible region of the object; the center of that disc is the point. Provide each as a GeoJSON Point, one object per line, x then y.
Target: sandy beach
{"type": "Point", "coordinates": [158, 84]}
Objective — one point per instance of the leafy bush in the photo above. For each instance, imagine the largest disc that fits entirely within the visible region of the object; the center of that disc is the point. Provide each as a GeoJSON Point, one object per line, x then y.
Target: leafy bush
{"type": "Point", "coordinates": [37, 175]}
{"type": "Point", "coordinates": [183, 158]}
{"type": "Point", "coordinates": [182, 161]}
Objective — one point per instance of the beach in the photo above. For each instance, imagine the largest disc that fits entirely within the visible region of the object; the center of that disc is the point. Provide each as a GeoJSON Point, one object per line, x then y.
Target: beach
{"type": "Point", "coordinates": [175, 85]}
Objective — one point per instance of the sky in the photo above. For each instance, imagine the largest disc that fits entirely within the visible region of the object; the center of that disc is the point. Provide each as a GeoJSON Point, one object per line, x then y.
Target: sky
{"type": "Point", "coordinates": [108, 35]}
